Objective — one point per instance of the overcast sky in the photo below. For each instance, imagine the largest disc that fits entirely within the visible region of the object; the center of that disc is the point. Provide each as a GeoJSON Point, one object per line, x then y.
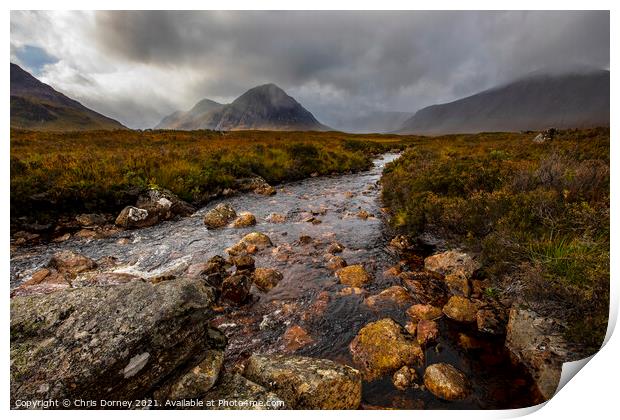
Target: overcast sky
{"type": "Point", "coordinates": [137, 67]}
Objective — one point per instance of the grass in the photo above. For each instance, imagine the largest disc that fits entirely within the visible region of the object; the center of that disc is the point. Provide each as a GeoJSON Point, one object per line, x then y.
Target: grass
{"type": "Point", "coordinates": [537, 214]}
{"type": "Point", "coordinates": [64, 174]}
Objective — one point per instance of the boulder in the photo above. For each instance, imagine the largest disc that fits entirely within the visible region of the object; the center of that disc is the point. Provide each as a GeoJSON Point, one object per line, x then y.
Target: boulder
{"type": "Point", "coordinates": [165, 203]}
{"type": "Point", "coordinates": [219, 216]}
{"type": "Point", "coordinates": [133, 217]}
{"type": "Point", "coordinates": [426, 286]}
{"type": "Point", "coordinates": [353, 275]}
{"type": "Point", "coordinates": [114, 343]}
{"type": "Point", "coordinates": [452, 262]}
{"type": "Point", "coordinates": [536, 342]}
{"type": "Point", "coordinates": [491, 321]}
{"type": "Point", "coordinates": [307, 383]}
{"type": "Point", "coordinates": [266, 279]}
{"type": "Point", "coordinates": [420, 311]}
{"type": "Point", "coordinates": [335, 248]}
{"type": "Point", "coordinates": [243, 262]}
{"type": "Point", "coordinates": [236, 289]}
{"type": "Point", "coordinates": [196, 382]}
{"type": "Point", "coordinates": [427, 332]}
{"type": "Point", "coordinates": [244, 219]}
{"type": "Point", "coordinates": [235, 392]}
{"type": "Point", "coordinates": [254, 241]}
{"type": "Point", "coordinates": [395, 296]}
{"type": "Point", "coordinates": [71, 263]}
{"type": "Point", "coordinates": [295, 338]}
{"type": "Point", "coordinates": [256, 184]}
{"type": "Point", "coordinates": [461, 309]}
{"type": "Point", "coordinates": [446, 382]}
{"type": "Point", "coordinates": [458, 284]}
{"type": "Point", "coordinates": [382, 347]}
{"type": "Point", "coordinates": [404, 378]}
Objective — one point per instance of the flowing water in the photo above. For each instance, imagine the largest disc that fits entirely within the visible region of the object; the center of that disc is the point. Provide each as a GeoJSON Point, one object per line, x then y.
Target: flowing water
{"type": "Point", "coordinates": [308, 294]}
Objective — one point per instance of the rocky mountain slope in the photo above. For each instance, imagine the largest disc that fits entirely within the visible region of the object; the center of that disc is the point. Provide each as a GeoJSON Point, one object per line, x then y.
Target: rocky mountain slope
{"type": "Point", "coordinates": [37, 106]}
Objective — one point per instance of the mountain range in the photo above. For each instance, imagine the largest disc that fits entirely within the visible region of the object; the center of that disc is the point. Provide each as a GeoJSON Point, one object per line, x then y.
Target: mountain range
{"type": "Point", "coordinates": [532, 103]}
{"type": "Point", "coordinates": [265, 107]}
{"type": "Point", "coordinates": [37, 106]}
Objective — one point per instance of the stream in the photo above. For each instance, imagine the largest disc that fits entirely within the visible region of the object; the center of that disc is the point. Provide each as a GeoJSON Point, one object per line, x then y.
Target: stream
{"type": "Point", "coordinates": [308, 294]}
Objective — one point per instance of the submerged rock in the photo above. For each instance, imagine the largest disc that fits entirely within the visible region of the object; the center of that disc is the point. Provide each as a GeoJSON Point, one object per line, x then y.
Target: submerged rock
{"type": "Point", "coordinates": [255, 241]}
{"type": "Point", "coordinates": [491, 321]}
{"type": "Point", "coordinates": [382, 347]}
{"type": "Point", "coordinates": [353, 275]}
{"type": "Point", "coordinates": [295, 338]}
{"type": "Point", "coordinates": [307, 383]}
{"type": "Point", "coordinates": [236, 289]}
{"type": "Point", "coordinates": [335, 262]}
{"type": "Point", "coordinates": [452, 262]}
{"type": "Point", "coordinates": [461, 309]}
{"type": "Point", "coordinates": [266, 279]}
{"type": "Point", "coordinates": [113, 343]}
{"type": "Point", "coordinates": [427, 332]}
{"type": "Point", "coordinates": [219, 216]}
{"type": "Point", "coordinates": [335, 248]}
{"type": "Point", "coordinates": [446, 382]}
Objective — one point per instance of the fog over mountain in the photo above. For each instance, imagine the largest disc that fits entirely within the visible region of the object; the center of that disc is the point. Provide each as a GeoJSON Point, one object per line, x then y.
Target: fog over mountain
{"type": "Point", "coordinates": [574, 100]}
{"type": "Point", "coordinates": [139, 66]}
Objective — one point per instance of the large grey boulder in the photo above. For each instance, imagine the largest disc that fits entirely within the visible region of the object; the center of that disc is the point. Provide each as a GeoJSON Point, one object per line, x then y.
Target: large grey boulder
{"type": "Point", "coordinates": [115, 343]}
{"type": "Point", "coordinates": [307, 383]}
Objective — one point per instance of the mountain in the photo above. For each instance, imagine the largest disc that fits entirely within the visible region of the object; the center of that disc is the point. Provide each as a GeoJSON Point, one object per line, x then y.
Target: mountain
{"type": "Point", "coordinates": [533, 103]}
{"type": "Point", "coordinates": [37, 106]}
{"type": "Point", "coordinates": [265, 107]}
{"type": "Point", "coordinates": [371, 122]}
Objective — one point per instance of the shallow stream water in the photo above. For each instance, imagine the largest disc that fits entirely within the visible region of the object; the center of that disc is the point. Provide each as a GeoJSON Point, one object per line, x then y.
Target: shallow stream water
{"type": "Point", "coordinates": [308, 294]}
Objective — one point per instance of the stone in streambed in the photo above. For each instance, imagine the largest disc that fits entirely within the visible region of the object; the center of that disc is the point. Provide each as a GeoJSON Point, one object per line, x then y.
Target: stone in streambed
{"type": "Point", "coordinates": [427, 332]}
{"type": "Point", "coordinates": [266, 279]}
{"type": "Point", "coordinates": [461, 309]}
{"type": "Point", "coordinates": [446, 382]}
{"type": "Point", "coordinates": [392, 296]}
{"type": "Point", "coordinates": [404, 378]}
{"type": "Point", "coordinates": [219, 216]}
{"type": "Point", "coordinates": [452, 262]}
{"type": "Point", "coordinates": [243, 262]}
{"type": "Point", "coordinates": [336, 262]}
{"type": "Point", "coordinates": [382, 347]}
{"type": "Point", "coordinates": [71, 263]}
{"type": "Point", "coordinates": [353, 275]}
{"type": "Point", "coordinates": [236, 289]}
{"type": "Point", "coordinates": [234, 388]}
{"type": "Point", "coordinates": [295, 338]}
{"type": "Point", "coordinates": [250, 243]}
{"type": "Point", "coordinates": [418, 312]}
{"type": "Point", "coordinates": [307, 383]}
{"type": "Point", "coordinates": [244, 219]}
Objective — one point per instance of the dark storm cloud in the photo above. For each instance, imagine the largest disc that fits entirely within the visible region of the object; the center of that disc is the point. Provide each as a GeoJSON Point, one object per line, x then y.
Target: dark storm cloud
{"type": "Point", "coordinates": [334, 63]}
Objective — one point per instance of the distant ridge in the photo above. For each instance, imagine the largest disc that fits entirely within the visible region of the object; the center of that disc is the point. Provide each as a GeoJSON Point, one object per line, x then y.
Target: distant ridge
{"type": "Point", "coordinates": [265, 107]}
{"type": "Point", "coordinates": [37, 106]}
{"type": "Point", "coordinates": [531, 103]}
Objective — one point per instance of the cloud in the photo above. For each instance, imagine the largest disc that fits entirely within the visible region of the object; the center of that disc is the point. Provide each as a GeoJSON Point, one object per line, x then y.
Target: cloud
{"type": "Point", "coordinates": [137, 66]}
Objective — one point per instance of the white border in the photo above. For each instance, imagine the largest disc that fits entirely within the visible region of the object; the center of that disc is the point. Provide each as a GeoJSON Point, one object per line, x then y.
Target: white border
{"type": "Point", "coordinates": [593, 394]}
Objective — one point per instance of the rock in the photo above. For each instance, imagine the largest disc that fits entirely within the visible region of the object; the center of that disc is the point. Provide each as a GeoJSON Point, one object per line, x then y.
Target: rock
{"type": "Point", "coordinates": [37, 277]}
{"type": "Point", "coordinates": [196, 382]}
{"type": "Point", "coordinates": [393, 271]}
{"type": "Point", "coordinates": [392, 296]}
{"type": "Point", "coordinates": [110, 279]}
{"type": "Point", "coordinates": [86, 234]}
{"type": "Point", "coordinates": [404, 378]}
{"type": "Point", "coordinates": [452, 262]}
{"type": "Point", "coordinates": [90, 220]}
{"type": "Point", "coordinates": [491, 321]}
{"type": "Point", "coordinates": [114, 343]}
{"type": "Point", "coordinates": [266, 279]}
{"type": "Point", "coordinates": [461, 309]}
{"type": "Point", "coordinates": [536, 342]}
{"type": "Point", "coordinates": [307, 383]}
{"type": "Point", "coordinates": [335, 248]}
{"type": "Point", "coordinates": [470, 343]}
{"type": "Point", "coordinates": [363, 214]}
{"type": "Point", "coordinates": [62, 238]}
{"type": "Point", "coordinates": [219, 216]}
{"type": "Point", "coordinates": [411, 327]}
{"type": "Point", "coordinates": [335, 263]}
{"type": "Point", "coordinates": [295, 338]}
{"type": "Point", "coordinates": [235, 392]}
{"type": "Point", "coordinates": [256, 184]}
{"type": "Point", "coordinates": [318, 307]}
{"type": "Point", "coordinates": [133, 217]}
{"type": "Point", "coordinates": [276, 218]}
{"type": "Point", "coordinates": [458, 284]}
{"type": "Point", "coordinates": [419, 311]}
{"type": "Point", "coordinates": [71, 263]}
{"type": "Point", "coordinates": [353, 275]}
{"type": "Point", "coordinates": [254, 241]}
{"type": "Point", "coordinates": [313, 220]}
{"type": "Point", "coordinates": [236, 289]}
{"type": "Point", "coordinates": [165, 203]}
{"type": "Point", "coordinates": [43, 281]}
{"type": "Point", "coordinates": [401, 243]}
{"type": "Point", "coordinates": [243, 262]}
{"type": "Point", "coordinates": [479, 287]}
{"type": "Point", "coordinates": [446, 382]}
{"type": "Point", "coordinates": [426, 286]}
{"type": "Point", "coordinates": [382, 347]}
{"type": "Point", "coordinates": [244, 219]}
{"type": "Point", "coordinates": [348, 291]}
{"type": "Point", "coordinates": [427, 332]}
